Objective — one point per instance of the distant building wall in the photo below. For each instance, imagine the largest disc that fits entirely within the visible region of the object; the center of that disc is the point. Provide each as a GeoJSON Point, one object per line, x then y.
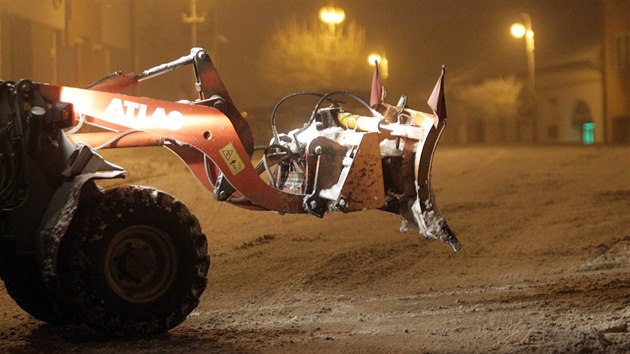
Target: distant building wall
{"type": "Point", "coordinates": [617, 70]}
{"type": "Point", "coordinates": [74, 42]}
{"type": "Point", "coordinates": [69, 42]}
{"type": "Point", "coordinates": [570, 95]}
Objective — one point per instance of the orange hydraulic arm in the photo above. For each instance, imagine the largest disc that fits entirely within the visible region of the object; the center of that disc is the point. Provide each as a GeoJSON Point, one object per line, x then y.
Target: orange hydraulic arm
{"type": "Point", "coordinates": [209, 135]}
{"type": "Point", "coordinates": [187, 129]}
{"type": "Point", "coordinates": [337, 161]}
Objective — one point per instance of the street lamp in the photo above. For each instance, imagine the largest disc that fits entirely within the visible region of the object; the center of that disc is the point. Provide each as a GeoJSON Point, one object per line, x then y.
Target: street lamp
{"type": "Point", "coordinates": [382, 62]}
{"type": "Point", "coordinates": [193, 20]}
{"type": "Point", "coordinates": [374, 58]}
{"type": "Point", "coordinates": [332, 16]}
{"type": "Point", "coordinates": [520, 30]}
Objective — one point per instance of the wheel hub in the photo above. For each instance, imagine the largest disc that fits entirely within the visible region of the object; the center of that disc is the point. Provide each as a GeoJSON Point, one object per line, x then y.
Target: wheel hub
{"type": "Point", "coordinates": [140, 263]}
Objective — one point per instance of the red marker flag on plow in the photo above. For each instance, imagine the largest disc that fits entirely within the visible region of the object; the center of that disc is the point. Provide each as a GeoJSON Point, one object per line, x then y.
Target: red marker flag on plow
{"type": "Point", "coordinates": [376, 90]}
{"type": "Point", "coordinates": [437, 101]}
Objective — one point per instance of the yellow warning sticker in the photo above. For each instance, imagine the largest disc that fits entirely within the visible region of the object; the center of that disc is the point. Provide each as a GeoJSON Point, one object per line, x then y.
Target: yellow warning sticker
{"type": "Point", "coordinates": [232, 159]}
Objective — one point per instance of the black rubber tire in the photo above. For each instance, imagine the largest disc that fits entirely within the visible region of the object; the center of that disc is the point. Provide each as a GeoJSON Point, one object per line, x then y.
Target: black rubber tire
{"type": "Point", "coordinates": [134, 263]}
{"type": "Point", "coordinates": [24, 283]}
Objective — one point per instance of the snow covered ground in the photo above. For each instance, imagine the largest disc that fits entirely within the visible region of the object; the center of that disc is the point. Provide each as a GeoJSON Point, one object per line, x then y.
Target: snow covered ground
{"type": "Point", "coordinates": [545, 266]}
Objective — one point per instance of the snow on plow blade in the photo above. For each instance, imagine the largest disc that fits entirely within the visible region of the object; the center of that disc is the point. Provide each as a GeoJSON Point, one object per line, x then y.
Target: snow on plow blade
{"type": "Point", "coordinates": [418, 208]}
{"type": "Point", "coordinates": [424, 210]}
{"type": "Point", "coordinates": [426, 215]}
{"type": "Point", "coordinates": [354, 162]}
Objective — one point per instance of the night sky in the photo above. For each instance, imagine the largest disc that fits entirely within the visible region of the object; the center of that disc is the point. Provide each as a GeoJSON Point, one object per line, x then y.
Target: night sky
{"type": "Point", "coordinates": [470, 37]}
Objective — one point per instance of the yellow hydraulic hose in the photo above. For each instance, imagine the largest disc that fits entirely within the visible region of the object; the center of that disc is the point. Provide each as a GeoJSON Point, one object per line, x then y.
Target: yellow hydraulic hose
{"type": "Point", "coordinates": [359, 123]}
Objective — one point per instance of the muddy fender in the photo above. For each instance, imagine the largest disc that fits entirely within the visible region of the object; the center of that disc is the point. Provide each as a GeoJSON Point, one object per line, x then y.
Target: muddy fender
{"type": "Point", "coordinates": [84, 166]}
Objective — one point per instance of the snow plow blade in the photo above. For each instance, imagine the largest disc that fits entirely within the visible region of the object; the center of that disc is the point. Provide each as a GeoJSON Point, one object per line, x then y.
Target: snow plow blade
{"type": "Point", "coordinates": [417, 205]}
{"type": "Point", "coordinates": [425, 212]}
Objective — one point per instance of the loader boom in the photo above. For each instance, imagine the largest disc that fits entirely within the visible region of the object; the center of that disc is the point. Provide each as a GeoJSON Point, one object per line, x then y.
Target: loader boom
{"type": "Point", "coordinates": [85, 242]}
{"type": "Point", "coordinates": [215, 141]}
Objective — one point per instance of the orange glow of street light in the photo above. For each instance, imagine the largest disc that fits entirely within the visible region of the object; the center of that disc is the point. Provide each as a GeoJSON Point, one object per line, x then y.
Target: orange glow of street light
{"type": "Point", "coordinates": [374, 59]}
{"type": "Point", "coordinates": [332, 15]}
{"type": "Point", "coordinates": [382, 62]}
{"type": "Point", "coordinates": [518, 30]}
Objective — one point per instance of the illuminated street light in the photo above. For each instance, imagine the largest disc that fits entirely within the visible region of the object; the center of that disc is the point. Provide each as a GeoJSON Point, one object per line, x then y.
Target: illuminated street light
{"type": "Point", "coordinates": [332, 15]}
{"type": "Point", "coordinates": [374, 59]}
{"type": "Point", "coordinates": [518, 30]}
{"type": "Point", "coordinates": [382, 62]}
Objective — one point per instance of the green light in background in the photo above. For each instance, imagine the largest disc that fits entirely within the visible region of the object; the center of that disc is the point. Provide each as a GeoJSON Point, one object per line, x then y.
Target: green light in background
{"type": "Point", "coordinates": [588, 133]}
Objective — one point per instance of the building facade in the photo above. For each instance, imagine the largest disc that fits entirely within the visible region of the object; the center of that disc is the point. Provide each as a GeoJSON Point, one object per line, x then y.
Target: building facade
{"type": "Point", "coordinates": [617, 70]}
{"type": "Point", "coordinates": [75, 42]}
{"type": "Point", "coordinates": [571, 101]}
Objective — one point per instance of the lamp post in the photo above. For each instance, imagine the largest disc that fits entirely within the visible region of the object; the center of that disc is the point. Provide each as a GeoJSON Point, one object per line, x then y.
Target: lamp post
{"type": "Point", "coordinates": [332, 16]}
{"type": "Point", "coordinates": [193, 20]}
{"type": "Point", "coordinates": [520, 30]}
